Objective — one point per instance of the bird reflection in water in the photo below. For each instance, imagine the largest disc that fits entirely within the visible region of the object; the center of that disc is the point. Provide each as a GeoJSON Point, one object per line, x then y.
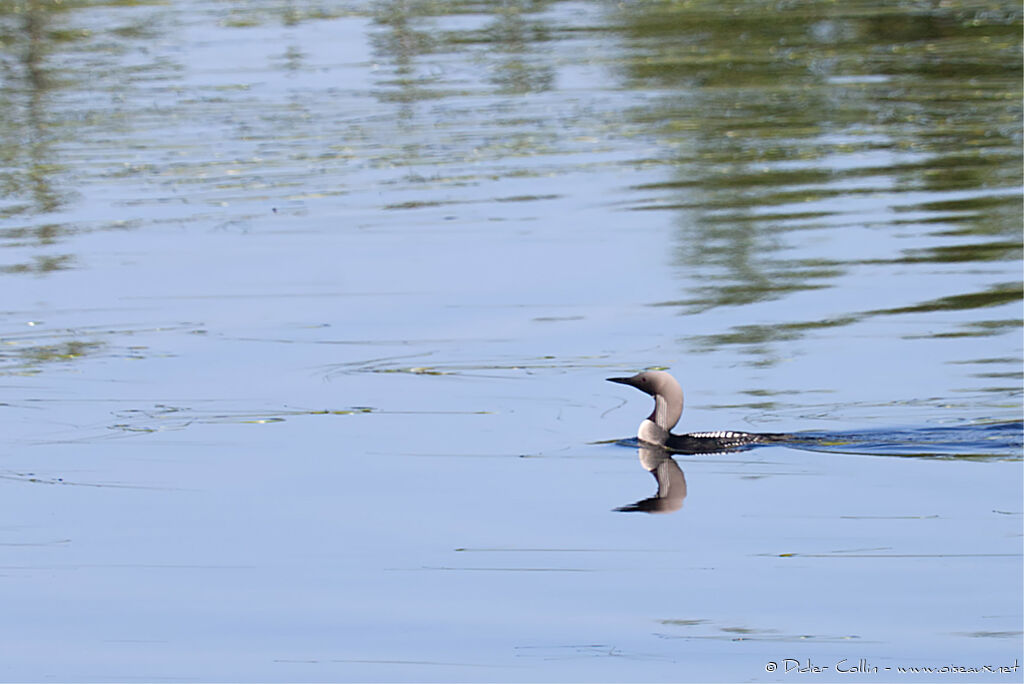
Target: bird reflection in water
{"type": "Point", "coordinates": [669, 476]}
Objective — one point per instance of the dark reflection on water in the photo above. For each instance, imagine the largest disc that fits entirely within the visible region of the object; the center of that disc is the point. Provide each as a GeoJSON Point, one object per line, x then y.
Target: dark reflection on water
{"type": "Point", "coordinates": [882, 138]}
{"type": "Point", "coordinates": [881, 119]}
{"type": "Point", "coordinates": [29, 181]}
{"type": "Point", "coordinates": [512, 30]}
{"type": "Point", "coordinates": [858, 162]}
{"type": "Point", "coordinates": [670, 478]}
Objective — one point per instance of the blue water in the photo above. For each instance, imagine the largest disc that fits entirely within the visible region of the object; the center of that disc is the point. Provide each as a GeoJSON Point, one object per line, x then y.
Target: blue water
{"type": "Point", "coordinates": [998, 440]}
{"type": "Point", "coordinates": [305, 315]}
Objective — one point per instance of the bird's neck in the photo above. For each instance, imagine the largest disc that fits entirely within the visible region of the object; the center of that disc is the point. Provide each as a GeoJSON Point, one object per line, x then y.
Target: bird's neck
{"type": "Point", "coordinates": [662, 414]}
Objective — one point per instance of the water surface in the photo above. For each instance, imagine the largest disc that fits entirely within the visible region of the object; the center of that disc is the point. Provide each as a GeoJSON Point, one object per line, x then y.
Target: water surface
{"type": "Point", "coordinates": [307, 309]}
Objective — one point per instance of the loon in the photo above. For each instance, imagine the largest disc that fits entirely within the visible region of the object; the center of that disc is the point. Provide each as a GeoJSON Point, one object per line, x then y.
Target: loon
{"type": "Point", "coordinates": [668, 407]}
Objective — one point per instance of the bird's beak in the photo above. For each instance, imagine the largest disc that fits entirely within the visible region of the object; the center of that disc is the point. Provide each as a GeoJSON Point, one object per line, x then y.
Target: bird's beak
{"type": "Point", "coordinates": [621, 381]}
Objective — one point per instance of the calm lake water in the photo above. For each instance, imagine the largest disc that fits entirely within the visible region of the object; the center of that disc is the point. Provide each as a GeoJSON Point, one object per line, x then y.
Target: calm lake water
{"type": "Point", "coordinates": [306, 311]}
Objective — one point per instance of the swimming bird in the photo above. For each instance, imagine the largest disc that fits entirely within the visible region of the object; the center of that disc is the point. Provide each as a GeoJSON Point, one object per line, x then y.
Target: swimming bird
{"type": "Point", "coordinates": [668, 407]}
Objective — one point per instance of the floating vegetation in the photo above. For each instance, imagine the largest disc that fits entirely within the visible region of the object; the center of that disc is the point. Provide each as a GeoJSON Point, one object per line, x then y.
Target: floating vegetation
{"type": "Point", "coordinates": [163, 417]}
{"type": "Point", "coordinates": [1015, 634]}
{"type": "Point", "coordinates": [65, 351]}
{"type": "Point", "coordinates": [27, 352]}
{"type": "Point", "coordinates": [41, 265]}
{"type": "Point", "coordinates": [683, 623]}
{"type": "Point", "coordinates": [33, 478]}
{"type": "Point", "coordinates": [479, 369]}
{"type": "Point", "coordinates": [18, 359]}
{"type": "Point", "coordinates": [576, 651]}
{"type": "Point", "coordinates": [889, 555]}
{"type": "Point", "coordinates": [706, 629]}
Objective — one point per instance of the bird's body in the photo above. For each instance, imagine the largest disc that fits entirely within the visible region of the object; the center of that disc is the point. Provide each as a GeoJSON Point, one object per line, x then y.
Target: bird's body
{"type": "Point", "coordinates": [656, 429]}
